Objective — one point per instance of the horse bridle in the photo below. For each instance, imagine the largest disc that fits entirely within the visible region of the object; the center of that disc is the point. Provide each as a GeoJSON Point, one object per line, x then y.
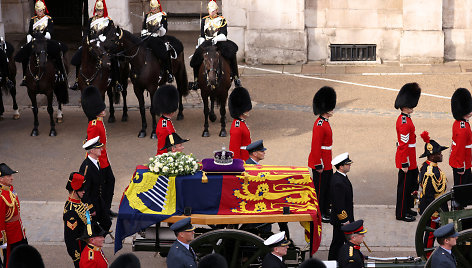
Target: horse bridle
{"type": "Point", "coordinates": [98, 59]}
{"type": "Point", "coordinates": [217, 71]}
{"type": "Point", "coordinates": [40, 74]}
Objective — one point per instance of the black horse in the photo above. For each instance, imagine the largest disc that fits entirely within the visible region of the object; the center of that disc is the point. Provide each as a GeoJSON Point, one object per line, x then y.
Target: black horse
{"type": "Point", "coordinates": [95, 69]}
{"type": "Point", "coordinates": [146, 72]}
{"type": "Point", "coordinates": [41, 79]}
{"type": "Point", "coordinates": [8, 87]}
{"type": "Point", "coordinates": [214, 80]}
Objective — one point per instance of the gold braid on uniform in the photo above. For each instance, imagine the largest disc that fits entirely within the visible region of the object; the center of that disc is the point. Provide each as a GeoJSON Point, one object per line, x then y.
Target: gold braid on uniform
{"type": "Point", "coordinates": [12, 204]}
{"type": "Point", "coordinates": [80, 209]}
{"type": "Point", "coordinates": [439, 184]}
{"type": "Point", "coordinates": [351, 253]}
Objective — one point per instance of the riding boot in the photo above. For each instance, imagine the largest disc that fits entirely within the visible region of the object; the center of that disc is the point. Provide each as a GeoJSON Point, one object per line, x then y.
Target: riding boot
{"type": "Point", "coordinates": [75, 86]}
{"type": "Point", "coordinates": [194, 85]}
{"type": "Point", "coordinates": [60, 69]}
{"type": "Point", "coordinates": [168, 68]}
{"type": "Point", "coordinates": [24, 64]}
{"type": "Point", "coordinates": [234, 70]}
{"type": "Point", "coordinates": [115, 74]}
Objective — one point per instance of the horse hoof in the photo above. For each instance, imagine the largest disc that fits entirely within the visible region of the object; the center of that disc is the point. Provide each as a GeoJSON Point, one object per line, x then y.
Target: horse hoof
{"type": "Point", "coordinates": [180, 116]}
{"type": "Point", "coordinates": [52, 133]}
{"type": "Point", "coordinates": [111, 119]}
{"type": "Point", "coordinates": [59, 120]}
{"type": "Point", "coordinates": [34, 133]}
{"type": "Point", "coordinates": [223, 133]}
{"type": "Point", "coordinates": [124, 118]}
{"type": "Point", "coordinates": [212, 117]}
{"type": "Point", "coordinates": [206, 134]}
{"type": "Point", "coordinates": [142, 134]}
{"type": "Point", "coordinates": [153, 136]}
{"type": "Point", "coordinates": [15, 117]}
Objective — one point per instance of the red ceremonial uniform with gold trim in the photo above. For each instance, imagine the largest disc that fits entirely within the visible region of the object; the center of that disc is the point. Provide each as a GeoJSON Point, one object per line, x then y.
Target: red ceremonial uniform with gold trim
{"type": "Point", "coordinates": [321, 144]}
{"type": "Point", "coordinates": [164, 128]}
{"type": "Point", "coordinates": [11, 226]}
{"type": "Point", "coordinates": [93, 257]}
{"type": "Point", "coordinates": [406, 145]}
{"type": "Point", "coordinates": [461, 147]}
{"type": "Point", "coordinates": [240, 137]}
{"type": "Point", "coordinates": [97, 128]}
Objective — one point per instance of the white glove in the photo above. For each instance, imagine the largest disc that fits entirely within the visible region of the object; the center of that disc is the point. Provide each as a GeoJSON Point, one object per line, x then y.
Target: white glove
{"type": "Point", "coordinates": [144, 32]}
{"type": "Point", "coordinates": [218, 38]}
{"type": "Point", "coordinates": [28, 38]}
{"type": "Point", "coordinates": [162, 31]}
{"type": "Point", "coordinates": [102, 38]}
{"type": "Point", "coordinates": [47, 35]}
{"type": "Point", "coordinates": [4, 246]}
{"type": "Point", "coordinates": [200, 41]}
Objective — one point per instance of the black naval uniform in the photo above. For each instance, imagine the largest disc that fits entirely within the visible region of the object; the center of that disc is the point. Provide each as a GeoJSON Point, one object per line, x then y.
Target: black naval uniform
{"type": "Point", "coordinates": [75, 223]}
{"type": "Point", "coordinates": [342, 210]}
{"type": "Point", "coordinates": [350, 256]}
{"type": "Point", "coordinates": [272, 261]}
{"type": "Point", "coordinates": [93, 187]}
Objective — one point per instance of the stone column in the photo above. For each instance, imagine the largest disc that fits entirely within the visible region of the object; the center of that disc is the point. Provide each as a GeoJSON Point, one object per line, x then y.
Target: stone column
{"type": "Point", "coordinates": [422, 38]}
{"type": "Point", "coordinates": [2, 27]}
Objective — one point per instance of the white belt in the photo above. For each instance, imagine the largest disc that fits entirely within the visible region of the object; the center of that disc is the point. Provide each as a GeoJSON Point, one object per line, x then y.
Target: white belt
{"type": "Point", "coordinates": [242, 147]}
{"type": "Point", "coordinates": [469, 146]}
{"type": "Point", "coordinates": [326, 147]}
{"type": "Point", "coordinates": [412, 145]}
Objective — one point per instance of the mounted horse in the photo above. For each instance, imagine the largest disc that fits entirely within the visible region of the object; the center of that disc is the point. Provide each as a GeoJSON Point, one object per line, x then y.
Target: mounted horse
{"type": "Point", "coordinates": [95, 69]}
{"type": "Point", "coordinates": [214, 80]}
{"type": "Point", "coordinates": [41, 79]}
{"type": "Point", "coordinates": [7, 77]}
{"type": "Point", "coordinates": [147, 72]}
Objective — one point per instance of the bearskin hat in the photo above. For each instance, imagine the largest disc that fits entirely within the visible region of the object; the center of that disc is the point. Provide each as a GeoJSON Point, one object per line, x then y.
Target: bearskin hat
{"type": "Point", "coordinates": [408, 96]}
{"type": "Point", "coordinates": [165, 100]}
{"type": "Point", "coordinates": [25, 256]}
{"type": "Point", "coordinates": [214, 260]}
{"type": "Point", "coordinates": [128, 260]}
{"type": "Point", "coordinates": [324, 100]}
{"type": "Point", "coordinates": [92, 102]}
{"type": "Point", "coordinates": [239, 102]}
{"type": "Point", "coordinates": [461, 103]}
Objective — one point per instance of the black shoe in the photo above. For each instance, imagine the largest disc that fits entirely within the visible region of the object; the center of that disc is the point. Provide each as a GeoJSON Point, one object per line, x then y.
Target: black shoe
{"type": "Point", "coordinates": [23, 82]}
{"type": "Point", "coordinates": [75, 86]}
{"type": "Point", "coordinates": [113, 214]}
{"type": "Point", "coordinates": [325, 218]}
{"type": "Point", "coordinates": [170, 78]}
{"type": "Point", "coordinates": [237, 82]}
{"type": "Point", "coordinates": [407, 218]}
{"type": "Point", "coordinates": [193, 85]}
{"type": "Point", "coordinates": [9, 84]}
{"type": "Point", "coordinates": [118, 87]}
{"type": "Point", "coordinates": [411, 212]}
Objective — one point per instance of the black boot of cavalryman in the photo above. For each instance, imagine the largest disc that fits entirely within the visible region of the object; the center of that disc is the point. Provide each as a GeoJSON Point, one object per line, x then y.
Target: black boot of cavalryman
{"type": "Point", "coordinates": [234, 70]}
{"type": "Point", "coordinates": [24, 64]}
{"type": "Point", "coordinates": [194, 85]}
{"type": "Point", "coordinates": [75, 86]}
{"type": "Point", "coordinates": [168, 68]}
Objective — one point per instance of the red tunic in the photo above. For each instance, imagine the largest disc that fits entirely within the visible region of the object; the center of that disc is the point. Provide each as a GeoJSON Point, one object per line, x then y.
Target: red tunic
{"type": "Point", "coordinates": [240, 137]}
{"type": "Point", "coordinates": [164, 128]}
{"type": "Point", "coordinates": [93, 257]}
{"type": "Point", "coordinates": [321, 143]}
{"type": "Point", "coordinates": [406, 145]}
{"type": "Point", "coordinates": [461, 145]}
{"type": "Point", "coordinates": [97, 128]}
{"type": "Point", "coordinates": [11, 226]}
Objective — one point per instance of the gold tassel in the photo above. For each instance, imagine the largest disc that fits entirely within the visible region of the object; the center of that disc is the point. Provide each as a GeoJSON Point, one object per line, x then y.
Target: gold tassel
{"type": "Point", "coordinates": [204, 177]}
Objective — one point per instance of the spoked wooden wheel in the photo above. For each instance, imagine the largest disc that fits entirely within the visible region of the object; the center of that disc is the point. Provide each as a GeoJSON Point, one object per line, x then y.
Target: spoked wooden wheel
{"type": "Point", "coordinates": [240, 248]}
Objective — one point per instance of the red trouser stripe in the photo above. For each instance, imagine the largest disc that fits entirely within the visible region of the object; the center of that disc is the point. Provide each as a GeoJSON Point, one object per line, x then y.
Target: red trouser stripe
{"type": "Point", "coordinates": [403, 195]}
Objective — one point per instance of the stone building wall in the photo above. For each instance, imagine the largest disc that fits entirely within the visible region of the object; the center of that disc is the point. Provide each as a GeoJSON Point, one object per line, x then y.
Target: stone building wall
{"type": "Point", "coordinates": [457, 28]}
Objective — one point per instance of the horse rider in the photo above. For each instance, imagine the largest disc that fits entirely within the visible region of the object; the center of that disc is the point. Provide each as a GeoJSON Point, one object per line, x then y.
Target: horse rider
{"type": "Point", "coordinates": [164, 102]}
{"type": "Point", "coordinates": [94, 30]}
{"type": "Point", "coordinates": [239, 104]}
{"type": "Point", "coordinates": [75, 216]}
{"type": "Point", "coordinates": [213, 31]}
{"type": "Point", "coordinates": [154, 30]}
{"type": "Point", "coordinates": [43, 24]}
{"type": "Point", "coordinates": [6, 50]}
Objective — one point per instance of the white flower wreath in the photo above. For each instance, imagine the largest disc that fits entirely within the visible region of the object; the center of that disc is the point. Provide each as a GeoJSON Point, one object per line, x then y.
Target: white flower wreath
{"type": "Point", "coordinates": [173, 164]}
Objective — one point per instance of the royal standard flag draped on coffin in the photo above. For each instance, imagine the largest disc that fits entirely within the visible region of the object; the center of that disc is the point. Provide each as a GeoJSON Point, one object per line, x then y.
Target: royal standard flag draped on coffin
{"type": "Point", "coordinates": [151, 198]}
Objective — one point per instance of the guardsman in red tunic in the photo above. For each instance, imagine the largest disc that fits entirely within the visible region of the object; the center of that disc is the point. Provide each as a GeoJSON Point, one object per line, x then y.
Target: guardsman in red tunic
{"type": "Point", "coordinates": [320, 156]}
{"type": "Point", "coordinates": [405, 158]}
{"type": "Point", "coordinates": [75, 217]}
{"type": "Point", "coordinates": [95, 109]}
{"type": "Point", "coordinates": [92, 256]}
{"type": "Point", "coordinates": [12, 233]}
{"type": "Point", "coordinates": [460, 158]}
{"type": "Point", "coordinates": [239, 105]}
{"type": "Point", "coordinates": [164, 102]}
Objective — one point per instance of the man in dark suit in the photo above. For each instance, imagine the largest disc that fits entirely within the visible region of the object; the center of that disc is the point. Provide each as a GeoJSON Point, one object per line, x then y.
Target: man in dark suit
{"type": "Point", "coordinates": [447, 238]}
{"type": "Point", "coordinates": [278, 245]}
{"type": "Point", "coordinates": [256, 152]}
{"type": "Point", "coordinates": [94, 180]}
{"type": "Point", "coordinates": [181, 255]}
{"type": "Point", "coordinates": [342, 210]}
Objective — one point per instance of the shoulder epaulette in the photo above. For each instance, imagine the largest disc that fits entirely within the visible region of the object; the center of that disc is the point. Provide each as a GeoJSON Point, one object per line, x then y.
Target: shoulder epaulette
{"type": "Point", "coordinates": [206, 16]}
{"type": "Point", "coordinates": [90, 255]}
{"type": "Point", "coordinates": [462, 124]}
{"type": "Point", "coordinates": [34, 17]}
{"type": "Point", "coordinates": [163, 13]}
{"type": "Point", "coordinates": [237, 123]}
{"type": "Point", "coordinates": [94, 122]}
{"type": "Point", "coordinates": [49, 17]}
{"type": "Point", "coordinates": [320, 122]}
{"type": "Point", "coordinates": [351, 251]}
{"type": "Point", "coordinates": [404, 119]}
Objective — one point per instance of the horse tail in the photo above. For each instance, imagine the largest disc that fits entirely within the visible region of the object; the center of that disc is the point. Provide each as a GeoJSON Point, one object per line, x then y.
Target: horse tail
{"type": "Point", "coordinates": [62, 94]}
{"type": "Point", "coordinates": [181, 76]}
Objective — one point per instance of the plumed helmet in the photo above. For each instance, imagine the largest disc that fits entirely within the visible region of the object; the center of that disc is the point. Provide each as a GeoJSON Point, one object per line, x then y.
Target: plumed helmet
{"type": "Point", "coordinates": [430, 146]}
{"type": "Point", "coordinates": [92, 102]}
{"type": "Point", "coordinates": [212, 5]}
{"type": "Point", "coordinates": [165, 100]}
{"type": "Point", "coordinates": [461, 103]}
{"type": "Point", "coordinates": [239, 102]}
{"type": "Point", "coordinates": [25, 256]}
{"type": "Point", "coordinates": [324, 100]}
{"type": "Point", "coordinates": [408, 96]}
{"type": "Point", "coordinates": [99, 5]}
{"type": "Point", "coordinates": [154, 4]}
{"type": "Point", "coordinates": [40, 5]}
{"type": "Point", "coordinates": [214, 260]}
{"type": "Point", "coordinates": [128, 260]}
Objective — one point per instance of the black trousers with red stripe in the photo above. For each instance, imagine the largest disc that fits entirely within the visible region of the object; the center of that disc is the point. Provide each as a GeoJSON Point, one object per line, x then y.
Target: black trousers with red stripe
{"type": "Point", "coordinates": [407, 182]}
{"type": "Point", "coordinates": [462, 179]}
{"type": "Point", "coordinates": [322, 184]}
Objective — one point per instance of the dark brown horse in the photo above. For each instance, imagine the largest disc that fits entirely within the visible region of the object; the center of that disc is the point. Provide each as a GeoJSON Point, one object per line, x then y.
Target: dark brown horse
{"type": "Point", "coordinates": [214, 80]}
{"type": "Point", "coordinates": [146, 75]}
{"type": "Point", "coordinates": [41, 79]}
{"type": "Point", "coordinates": [95, 69]}
{"type": "Point", "coordinates": [9, 89]}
